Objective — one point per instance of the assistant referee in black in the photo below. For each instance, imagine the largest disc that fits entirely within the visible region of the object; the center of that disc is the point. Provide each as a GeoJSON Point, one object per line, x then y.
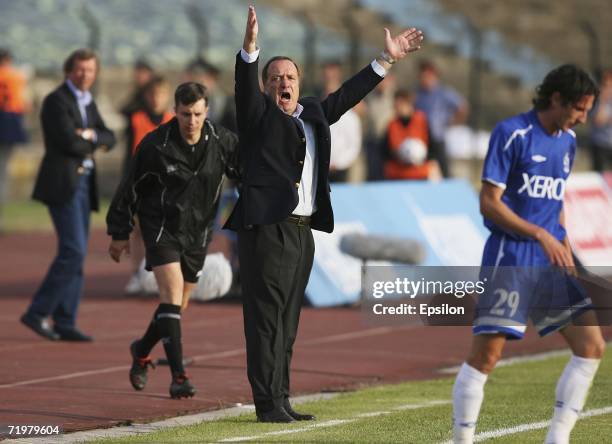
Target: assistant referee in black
{"type": "Point", "coordinates": [284, 145]}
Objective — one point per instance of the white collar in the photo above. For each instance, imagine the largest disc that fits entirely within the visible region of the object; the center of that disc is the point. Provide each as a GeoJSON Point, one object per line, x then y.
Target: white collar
{"type": "Point", "coordinates": [298, 110]}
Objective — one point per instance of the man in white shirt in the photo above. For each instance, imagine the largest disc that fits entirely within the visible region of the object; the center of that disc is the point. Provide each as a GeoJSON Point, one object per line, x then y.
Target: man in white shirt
{"type": "Point", "coordinates": [285, 153]}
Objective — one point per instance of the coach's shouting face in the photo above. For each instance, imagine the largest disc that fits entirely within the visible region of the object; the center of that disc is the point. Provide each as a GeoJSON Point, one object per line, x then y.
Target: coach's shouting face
{"type": "Point", "coordinates": [282, 83]}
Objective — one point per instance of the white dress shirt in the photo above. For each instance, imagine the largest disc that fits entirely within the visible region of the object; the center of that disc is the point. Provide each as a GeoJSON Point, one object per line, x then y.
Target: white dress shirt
{"type": "Point", "coordinates": [307, 189]}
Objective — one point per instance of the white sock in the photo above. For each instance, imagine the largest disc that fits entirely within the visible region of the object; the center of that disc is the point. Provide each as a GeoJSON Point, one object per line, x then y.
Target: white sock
{"type": "Point", "coordinates": [571, 393]}
{"type": "Point", "coordinates": [468, 393]}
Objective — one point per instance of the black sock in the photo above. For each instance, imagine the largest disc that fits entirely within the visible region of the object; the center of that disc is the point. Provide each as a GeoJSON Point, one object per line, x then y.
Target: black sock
{"type": "Point", "coordinates": [150, 338]}
{"type": "Point", "coordinates": [169, 328]}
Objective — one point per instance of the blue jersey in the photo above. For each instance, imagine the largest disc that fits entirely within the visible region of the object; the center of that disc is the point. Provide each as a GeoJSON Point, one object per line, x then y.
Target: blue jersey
{"type": "Point", "coordinates": [532, 167]}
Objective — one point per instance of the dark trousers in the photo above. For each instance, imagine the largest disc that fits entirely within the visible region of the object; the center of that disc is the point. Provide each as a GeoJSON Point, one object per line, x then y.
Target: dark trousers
{"type": "Point", "coordinates": [275, 264]}
{"type": "Point", "coordinates": [60, 292]}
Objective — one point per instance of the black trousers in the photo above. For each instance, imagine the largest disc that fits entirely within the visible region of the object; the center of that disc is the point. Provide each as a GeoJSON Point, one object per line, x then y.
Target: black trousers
{"type": "Point", "coordinates": [275, 264]}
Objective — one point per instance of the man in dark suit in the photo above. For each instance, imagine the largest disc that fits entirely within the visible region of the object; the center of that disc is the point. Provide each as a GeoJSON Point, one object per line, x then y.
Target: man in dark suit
{"type": "Point", "coordinates": [285, 150]}
{"type": "Point", "coordinates": [73, 130]}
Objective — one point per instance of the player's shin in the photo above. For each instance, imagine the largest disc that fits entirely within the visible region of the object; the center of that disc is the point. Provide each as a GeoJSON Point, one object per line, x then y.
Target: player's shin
{"type": "Point", "coordinates": [468, 393]}
{"type": "Point", "coordinates": [571, 393]}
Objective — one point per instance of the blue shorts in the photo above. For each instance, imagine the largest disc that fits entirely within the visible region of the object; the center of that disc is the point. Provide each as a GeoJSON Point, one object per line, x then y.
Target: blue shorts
{"type": "Point", "coordinates": [521, 284]}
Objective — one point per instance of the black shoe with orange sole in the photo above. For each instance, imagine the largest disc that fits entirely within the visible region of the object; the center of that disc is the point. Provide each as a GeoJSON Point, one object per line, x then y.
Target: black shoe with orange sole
{"type": "Point", "coordinates": [139, 369]}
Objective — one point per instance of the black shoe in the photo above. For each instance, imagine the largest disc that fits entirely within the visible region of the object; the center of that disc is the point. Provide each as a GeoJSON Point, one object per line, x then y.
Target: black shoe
{"type": "Point", "coordinates": [39, 326]}
{"type": "Point", "coordinates": [140, 366]}
{"type": "Point", "coordinates": [277, 415]}
{"type": "Point", "coordinates": [72, 334]}
{"type": "Point", "coordinates": [297, 416]}
{"type": "Point", "coordinates": [181, 387]}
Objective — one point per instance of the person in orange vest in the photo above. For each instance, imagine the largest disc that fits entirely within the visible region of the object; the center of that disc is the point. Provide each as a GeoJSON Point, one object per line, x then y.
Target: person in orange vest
{"type": "Point", "coordinates": [155, 111]}
{"type": "Point", "coordinates": [406, 142]}
{"type": "Point", "coordinates": [142, 73]}
{"type": "Point", "coordinates": [13, 106]}
{"type": "Point", "coordinates": [156, 94]}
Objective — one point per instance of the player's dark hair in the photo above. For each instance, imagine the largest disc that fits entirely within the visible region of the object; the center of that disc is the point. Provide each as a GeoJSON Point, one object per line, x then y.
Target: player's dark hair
{"type": "Point", "coordinates": [264, 73]}
{"type": "Point", "coordinates": [77, 55]}
{"type": "Point", "coordinates": [570, 81]}
{"type": "Point", "coordinates": [190, 92]}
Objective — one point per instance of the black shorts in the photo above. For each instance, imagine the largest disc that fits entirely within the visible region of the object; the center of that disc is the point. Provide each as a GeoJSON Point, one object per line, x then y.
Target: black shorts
{"type": "Point", "coordinates": [191, 260]}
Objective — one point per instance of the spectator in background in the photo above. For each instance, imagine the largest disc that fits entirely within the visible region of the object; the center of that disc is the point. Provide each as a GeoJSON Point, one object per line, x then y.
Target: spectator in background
{"type": "Point", "coordinates": [13, 106]}
{"type": "Point", "coordinates": [346, 133]}
{"type": "Point", "coordinates": [379, 112]}
{"type": "Point", "coordinates": [73, 130]}
{"type": "Point", "coordinates": [443, 107]}
{"type": "Point", "coordinates": [407, 155]}
{"type": "Point", "coordinates": [346, 139]}
{"type": "Point", "coordinates": [601, 128]}
{"type": "Point", "coordinates": [156, 94]}
{"type": "Point", "coordinates": [221, 108]}
{"type": "Point", "coordinates": [143, 72]}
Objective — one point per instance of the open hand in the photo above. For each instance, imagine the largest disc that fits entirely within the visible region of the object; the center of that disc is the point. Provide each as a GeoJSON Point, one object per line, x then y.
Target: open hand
{"type": "Point", "coordinates": [405, 42]}
{"type": "Point", "coordinates": [250, 33]}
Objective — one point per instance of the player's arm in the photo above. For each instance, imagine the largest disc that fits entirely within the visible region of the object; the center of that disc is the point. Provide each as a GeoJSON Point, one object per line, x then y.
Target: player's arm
{"type": "Point", "coordinates": [493, 208]}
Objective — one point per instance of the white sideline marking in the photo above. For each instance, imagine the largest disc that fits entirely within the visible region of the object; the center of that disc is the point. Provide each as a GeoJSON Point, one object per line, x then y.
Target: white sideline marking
{"type": "Point", "coordinates": [531, 426]}
{"type": "Point", "coordinates": [335, 422]}
{"type": "Point", "coordinates": [216, 355]}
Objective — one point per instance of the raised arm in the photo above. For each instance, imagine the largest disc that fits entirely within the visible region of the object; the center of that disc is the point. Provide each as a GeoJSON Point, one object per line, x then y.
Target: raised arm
{"type": "Point", "coordinates": [358, 86]}
{"type": "Point", "coordinates": [250, 102]}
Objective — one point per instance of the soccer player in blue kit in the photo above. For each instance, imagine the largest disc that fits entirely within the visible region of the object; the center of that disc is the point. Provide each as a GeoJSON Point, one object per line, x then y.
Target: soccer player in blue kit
{"type": "Point", "coordinates": [523, 182]}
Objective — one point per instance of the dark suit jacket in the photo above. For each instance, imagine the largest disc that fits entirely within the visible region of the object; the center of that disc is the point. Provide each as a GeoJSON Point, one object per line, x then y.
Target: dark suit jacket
{"type": "Point", "coordinates": [64, 150]}
{"type": "Point", "coordinates": [272, 148]}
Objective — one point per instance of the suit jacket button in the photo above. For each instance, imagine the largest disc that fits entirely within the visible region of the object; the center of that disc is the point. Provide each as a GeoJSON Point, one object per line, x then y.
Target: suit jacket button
{"type": "Point", "coordinates": [303, 139]}
{"type": "Point", "coordinates": [301, 162]}
{"type": "Point", "coordinates": [297, 184]}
